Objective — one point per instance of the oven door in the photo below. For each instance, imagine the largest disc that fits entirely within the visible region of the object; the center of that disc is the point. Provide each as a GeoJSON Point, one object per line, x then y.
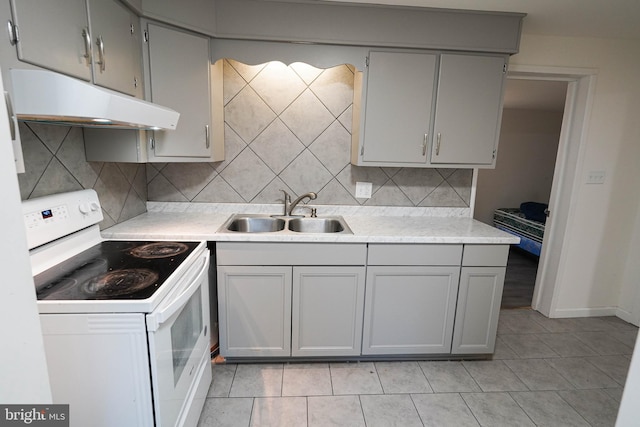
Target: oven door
{"type": "Point", "coordinates": [178, 332]}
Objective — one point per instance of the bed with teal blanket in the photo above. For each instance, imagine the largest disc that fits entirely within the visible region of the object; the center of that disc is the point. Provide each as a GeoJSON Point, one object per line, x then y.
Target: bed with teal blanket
{"type": "Point", "coordinates": [514, 221]}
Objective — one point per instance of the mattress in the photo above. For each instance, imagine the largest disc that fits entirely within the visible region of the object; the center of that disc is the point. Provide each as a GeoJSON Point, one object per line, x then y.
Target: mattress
{"type": "Point", "coordinates": [513, 221]}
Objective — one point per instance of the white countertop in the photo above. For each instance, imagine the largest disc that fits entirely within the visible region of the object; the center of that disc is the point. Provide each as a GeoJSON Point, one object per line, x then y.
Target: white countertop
{"type": "Point", "coordinates": [178, 224]}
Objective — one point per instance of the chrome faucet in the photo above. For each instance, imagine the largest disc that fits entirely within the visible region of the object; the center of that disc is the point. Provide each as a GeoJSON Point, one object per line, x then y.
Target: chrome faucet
{"type": "Point", "coordinates": [289, 206]}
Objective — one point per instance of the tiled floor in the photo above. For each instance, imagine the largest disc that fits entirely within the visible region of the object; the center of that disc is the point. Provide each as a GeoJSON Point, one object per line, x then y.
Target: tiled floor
{"type": "Point", "coordinates": [545, 372]}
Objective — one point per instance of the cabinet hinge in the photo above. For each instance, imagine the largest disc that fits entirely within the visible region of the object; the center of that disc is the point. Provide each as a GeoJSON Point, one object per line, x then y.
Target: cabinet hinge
{"type": "Point", "coordinates": [504, 68]}
{"type": "Point", "coordinates": [132, 29]}
{"type": "Point", "coordinates": [135, 82]}
{"type": "Point", "coordinates": [145, 36]}
{"type": "Point", "coordinates": [12, 30]}
{"type": "Point", "coordinates": [494, 154]}
{"type": "Point", "coordinates": [366, 61]}
{"type": "Point", "coordinates": [152, 140]}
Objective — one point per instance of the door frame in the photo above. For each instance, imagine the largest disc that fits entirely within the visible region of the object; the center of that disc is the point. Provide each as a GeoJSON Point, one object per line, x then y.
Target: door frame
{"type": "Point", "coordinates": [566, 178]}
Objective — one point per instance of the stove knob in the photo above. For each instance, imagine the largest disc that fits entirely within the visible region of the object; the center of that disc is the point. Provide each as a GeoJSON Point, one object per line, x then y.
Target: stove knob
{"type": "Point", "coordinates": [95, 207]}
{"type": "Point", "coordinates": [84, 208]}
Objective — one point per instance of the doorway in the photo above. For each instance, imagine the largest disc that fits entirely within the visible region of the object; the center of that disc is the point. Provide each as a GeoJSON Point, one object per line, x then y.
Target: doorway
{"type": "Point", "coordinates": [580, 84]}
{"type": "Point", "coordinates": [529, 139]}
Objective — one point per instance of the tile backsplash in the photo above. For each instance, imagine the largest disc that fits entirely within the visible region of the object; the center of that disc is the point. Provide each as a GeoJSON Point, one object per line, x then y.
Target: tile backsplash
{"type": "Point", "coordinates": [285, 128]}
{"type": "Point", "coordinates": [289, 127]}
{"type": "Point", "coordinates": [55, 163]}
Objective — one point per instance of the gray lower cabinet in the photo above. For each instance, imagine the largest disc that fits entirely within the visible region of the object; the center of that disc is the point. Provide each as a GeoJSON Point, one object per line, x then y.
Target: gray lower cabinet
{"type": "Point", "coordinates": [326, 311]}
{"type": "Point", "coordinates": [254, 311]}
{"type": "Point", "coordinates": [409, 310]}
{"type": "Point", "coordinates": [410, 301]}
{"type": "Point", "coordinates": [298, 299]}
{"type": "Point", "coordinates": [477, 312]}
{"type": "Point", "coordinates": [479, 297]}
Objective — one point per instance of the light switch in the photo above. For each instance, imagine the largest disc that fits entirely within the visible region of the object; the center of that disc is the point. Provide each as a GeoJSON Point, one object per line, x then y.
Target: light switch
{"type": "Point", "coordinates": [363, 190]}
{"type": "Point", "coordinates": [595, 177]}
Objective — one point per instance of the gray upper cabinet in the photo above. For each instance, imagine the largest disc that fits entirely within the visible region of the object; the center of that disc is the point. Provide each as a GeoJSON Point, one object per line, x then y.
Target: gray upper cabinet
{"type": "Point", "coordinates": [400, 89]}
{"type": "Point", "coordinates": [54, 34]}
{"type": "Point", "coordinates": [116, 50]}
{"type": "Point", "coordinates": [92, 40]}
{"type": "Point", "coordinates": [180, 76]}
{"type": "Point", "coordinates": [426, 109]}
{"type": "Point", "coordinates": [469, 109]}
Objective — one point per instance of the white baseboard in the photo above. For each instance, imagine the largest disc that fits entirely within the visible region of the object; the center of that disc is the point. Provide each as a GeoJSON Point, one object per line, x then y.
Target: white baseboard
{"type": "Point", "coordinates": [584, 312]}
{"type": "Point", "coordinates": [628, 317]}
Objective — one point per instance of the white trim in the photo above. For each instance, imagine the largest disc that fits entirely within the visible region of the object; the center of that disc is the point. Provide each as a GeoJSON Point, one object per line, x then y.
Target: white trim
{"type": "Point", "coordinates": [585, 312]}
{"type": "Point", "coordinates": [474, 190]}
{"type": "Point", "coordinates": [627, 316]}
{"type": "Point", "coordinates": [565, 186]}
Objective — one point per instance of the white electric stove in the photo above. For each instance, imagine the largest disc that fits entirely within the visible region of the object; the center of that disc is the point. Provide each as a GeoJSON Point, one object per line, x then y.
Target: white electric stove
{"type": "Point", "coordinates": [125, 323]}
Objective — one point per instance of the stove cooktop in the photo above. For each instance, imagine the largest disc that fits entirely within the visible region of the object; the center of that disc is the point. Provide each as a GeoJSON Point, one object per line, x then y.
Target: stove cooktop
{"type": "Point", "coordinates": [122, 270]}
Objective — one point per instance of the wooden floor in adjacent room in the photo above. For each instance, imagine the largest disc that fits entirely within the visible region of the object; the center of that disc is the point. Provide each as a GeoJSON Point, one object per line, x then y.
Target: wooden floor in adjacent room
{"type": "Point", "coordinates": [520, 279]}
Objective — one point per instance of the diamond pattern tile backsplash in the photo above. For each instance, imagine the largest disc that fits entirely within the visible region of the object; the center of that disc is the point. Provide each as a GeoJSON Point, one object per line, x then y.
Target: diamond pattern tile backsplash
{"type": "Point", "coordinates": [55, 163]}
{"type": "Point", "coordinates": [285, 128]}
{"type": "Point", "coordinates": [289, 127]}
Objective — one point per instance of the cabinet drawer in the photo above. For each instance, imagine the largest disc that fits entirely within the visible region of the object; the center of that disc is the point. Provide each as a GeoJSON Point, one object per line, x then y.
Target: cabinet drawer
{"type": "Point", "coordinates": [485, 255]}
{"type": "Point", "coordinates": [232, 253]}
{"type": "Point", "coordinates": [403, 254]}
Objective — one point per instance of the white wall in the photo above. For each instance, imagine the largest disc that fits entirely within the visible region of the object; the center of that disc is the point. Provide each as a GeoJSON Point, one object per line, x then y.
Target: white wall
{"type": "Point", "coordinates": [526, 160]}
{"type": "Point", "coordinates": [602, 235]}
{"type": "Point", "coordinates": [23, 370]}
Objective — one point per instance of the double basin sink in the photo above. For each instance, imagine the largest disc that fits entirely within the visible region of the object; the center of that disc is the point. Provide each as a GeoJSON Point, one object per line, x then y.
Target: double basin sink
{"type": "Point", "coordinates": [246, 223]}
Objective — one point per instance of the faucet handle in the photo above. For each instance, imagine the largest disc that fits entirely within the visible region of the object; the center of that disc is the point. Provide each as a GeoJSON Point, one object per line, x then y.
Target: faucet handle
{"type": "Point", "coordinates": [287, 196]}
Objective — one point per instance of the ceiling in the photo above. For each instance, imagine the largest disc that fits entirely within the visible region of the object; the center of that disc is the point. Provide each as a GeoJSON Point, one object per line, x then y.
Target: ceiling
{"type": "Point", "coordinates": [535, 94]}
{"type": "Point", "coordinates": [573, 18]}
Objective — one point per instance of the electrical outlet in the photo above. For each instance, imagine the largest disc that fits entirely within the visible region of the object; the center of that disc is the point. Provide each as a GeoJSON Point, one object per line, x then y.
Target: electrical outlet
{"type": "Point", "coordinates": [363, 190]}
{"type": "Point", "coordinates": [595, 177]}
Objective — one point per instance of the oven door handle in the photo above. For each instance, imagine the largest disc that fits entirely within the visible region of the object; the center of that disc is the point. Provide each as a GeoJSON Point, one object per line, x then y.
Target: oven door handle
{"type": "Point", "coordinates": [157, 318]}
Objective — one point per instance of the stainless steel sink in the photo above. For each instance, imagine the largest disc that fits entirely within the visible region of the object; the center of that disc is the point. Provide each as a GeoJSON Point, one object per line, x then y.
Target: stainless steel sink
{"type": "Point", "coordinates": [251, 223]}
{"type": "Point", "coordinates": [316, 225]}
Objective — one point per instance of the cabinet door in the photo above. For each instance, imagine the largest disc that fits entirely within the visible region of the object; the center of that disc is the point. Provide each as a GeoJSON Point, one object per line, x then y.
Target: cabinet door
{"type": "Point", "coordinates": [399, 98]}
{"type": "Point", "coordinates": [469, 109]}
{"type": "Point", "coordinates": [54, 34]}
{"type": "Point", "coordinates": [478, 309]}
{"type": "Point", "coordinates": [179, 79]}
{"type": "Point", "coordinates": [327, 310]}
{"type": "Point", "coordinates": [114, 57]}
{"type": "Point", "coordinates": [254, 305]}
{"type": "Point", "coordinates": [409, 310]}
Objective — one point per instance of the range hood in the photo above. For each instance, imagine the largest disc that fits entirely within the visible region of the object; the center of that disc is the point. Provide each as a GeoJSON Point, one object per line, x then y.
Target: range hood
{"type": "Point", "coordinates": [46, 96]}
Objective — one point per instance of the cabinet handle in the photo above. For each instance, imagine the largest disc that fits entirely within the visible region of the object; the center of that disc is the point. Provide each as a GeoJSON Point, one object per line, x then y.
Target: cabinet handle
{"type": "Point", "coordinates": [12, 123]}
{"type": "Point", "coordinates": [13, 33]}
{"type": "Point", "coordinates": [207, 136]}
{"type": "Point", "coordinates": [438, 144]}
{"type": "Point", "coordinates": [87, 45]}
{"type": "Point", "coordinates": [424, 144]}
{"type": "Point", "coordinates": [101, 60]}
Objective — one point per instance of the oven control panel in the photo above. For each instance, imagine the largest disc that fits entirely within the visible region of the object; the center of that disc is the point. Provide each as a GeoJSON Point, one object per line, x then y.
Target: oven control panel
{"type": "Point", "coordinates": [51, 217]}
